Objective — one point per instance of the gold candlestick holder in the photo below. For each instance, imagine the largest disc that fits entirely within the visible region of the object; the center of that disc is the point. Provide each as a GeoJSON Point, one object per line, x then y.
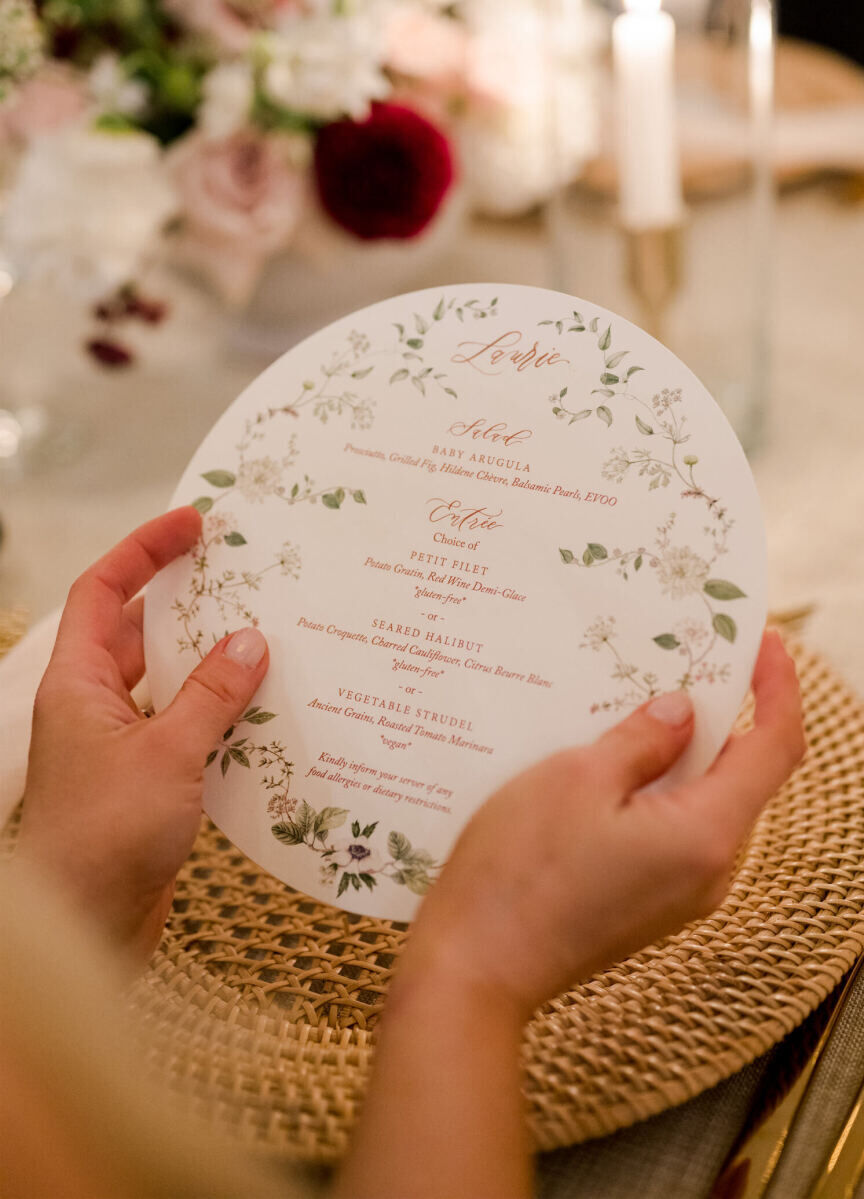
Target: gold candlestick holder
{"type": "Point", "coordinates": [654, 272]}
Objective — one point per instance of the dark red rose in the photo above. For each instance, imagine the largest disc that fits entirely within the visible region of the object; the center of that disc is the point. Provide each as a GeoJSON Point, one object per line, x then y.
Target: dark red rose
{"type": "Point", "coordinates": [385, 176]}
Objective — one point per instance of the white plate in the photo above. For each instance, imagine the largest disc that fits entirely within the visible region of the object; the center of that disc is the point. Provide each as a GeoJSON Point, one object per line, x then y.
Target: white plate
{"type": "Point", "coordinates": [477, 525]}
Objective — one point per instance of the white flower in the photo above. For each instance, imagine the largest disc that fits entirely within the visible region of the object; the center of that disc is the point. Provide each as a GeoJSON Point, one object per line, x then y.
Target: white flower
{"type": "Point", "coordinates": [86, 206]}
{"type": "Point", "coordinates": [259, 478]}
{"type": "Point", "coordinates": [598, 633]}
{"type": "Point", "coordinates": [354, 854]}
{"type": "Point", "coordinates": [325, 67]}
{"type": "Point", "coordinates": [691, 634]}
{"type": "Point", "coordinates": [289, 560]}
{"type": "Point", "coordinates": [681, 572]}
{"type": "Point", "coordinates": [112, 90]}
{"type": "Point", "coordinates": [228, 92]}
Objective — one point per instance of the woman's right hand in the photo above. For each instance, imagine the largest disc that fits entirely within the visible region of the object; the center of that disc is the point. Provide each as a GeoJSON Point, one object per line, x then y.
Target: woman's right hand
{"type": "Point", "coordinates": [572, 865]}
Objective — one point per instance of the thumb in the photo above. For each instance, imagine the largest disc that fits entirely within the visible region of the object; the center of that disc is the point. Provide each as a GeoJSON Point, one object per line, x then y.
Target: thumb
{"type": "Point", "coordinates": [217, 691]}
{"type": "Point", "coordinates": [649, 741]}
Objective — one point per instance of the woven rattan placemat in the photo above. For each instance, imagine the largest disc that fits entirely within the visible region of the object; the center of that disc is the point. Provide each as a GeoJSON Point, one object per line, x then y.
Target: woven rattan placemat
{"type": "Point", "coordinates": [261, 1004]}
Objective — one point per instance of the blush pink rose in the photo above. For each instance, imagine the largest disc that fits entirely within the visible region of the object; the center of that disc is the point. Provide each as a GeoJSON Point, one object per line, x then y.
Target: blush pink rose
{"type": "Point", "coordinates": [54, 97]}
{"type": "Point", "coordinates": [241, 199]}
{"type": "Point", "coordinates": [426, 47]}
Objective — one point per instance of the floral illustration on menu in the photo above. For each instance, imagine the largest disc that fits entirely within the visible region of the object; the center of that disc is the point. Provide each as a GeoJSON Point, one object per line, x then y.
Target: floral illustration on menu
{"type": "Point", "coordinates": [353, 859]}
{"type": "Point", "coordinates": [614, 374]}
{"type": "Point", "coordinates": [689, 577]}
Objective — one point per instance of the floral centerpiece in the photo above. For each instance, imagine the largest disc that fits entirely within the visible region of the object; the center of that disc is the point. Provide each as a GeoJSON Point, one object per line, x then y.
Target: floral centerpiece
{"type": "Point", "coordinates": [222, 124]}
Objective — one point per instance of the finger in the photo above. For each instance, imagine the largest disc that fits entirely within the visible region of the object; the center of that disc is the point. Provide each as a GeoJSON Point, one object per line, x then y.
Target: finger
{"type": "Point", "coordinates": [644, 745]}
{"type": "Point", "coordinates": [128, 648]}
{"type": "Point", "coordinates": [754, 765]}
{"type": "Point", "coordinates": [216, 693]}
{"type": "Point", "coordinates": [94, 608]}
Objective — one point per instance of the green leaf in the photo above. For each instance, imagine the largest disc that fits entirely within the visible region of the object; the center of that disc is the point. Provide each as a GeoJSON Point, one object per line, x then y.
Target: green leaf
{"type": "Point", "coordinates": [637, 565]}
{"type": "Point", "coordinates": [340, 494]}
{"type": "Point", "coordinates": [667, 641]}
{"type": "Point", "coordinates": [605, 339]}
{"type": "Point", "coordinates": [614, 359]}
{"type": "Point", "coordinates": [401, 329]}
{"type": "Point", "coordinates": [725, 626]}
{"type": "Point", "coordinates": [399, 375]}
{"type": "Point", "coordinates": [219, 478]}
{"type": "Point", "coordinates": [260, 717]}
{"type": "Point", "coordinates": [605, 414]}
{"type": "Point", "coordinates": [576, 329]}
{"type": "Point", "coordinates": [557, 411]}
{"type": "Point", "coordinates": [438, 314]}
{"type": "Point", "coordinates": [643, 428]}
{"type": "Point", "coordinates": [304, 817]}
{"type": "Point", "coordinates": [559, 325]}
{"type": "Point", "coordinates": [450, 392]}
{"type": "Point", "coordinates": [416, 343]}
{"type": "Point", "coordinates": [419, 384]}
{"type": "Point", "coordinates": [343, 884]}
{"type": "Point", "coordinates": [211, 758]}
{"type": "Point", "coordinates": [358, 497]}
{"type": "Point", "coordinates": [225, 763]}
{"type": "Point", "coordinates": [562, 393]}
{"type": "Point", "coordinates": [361, 374]}
{"type": "Point", "coordinates": [288, 833]}
{"type": "Point", "coordinates": [369, 829]}
{"type": "Point", "coordinates": [587, 557]}
{"type": "Point", "coordinates": [595, 321]}
{"type": "Point", "coordinates": [330, 818]}
{"type": "Point", "coordinates": [355, 882]}
{"type": "Point", "coordinates": [544, 322]}
{"type": "Point", "coordinates": [597, 551]}
{"type": "Point", "coordinates": [239, 756]}
{"type": "Point", "coordinates": [567, 556]}
{"type": "Point", "coordinates": [204, 503]}
{"type": "Point", "coordinates": [331, 500]}
{"type": "Point", "coordinates": [631, 370]}
{"type": "Point", "coordinates": [581, 415]}
{"type": "Point", "coordinates": [418, 881]}
{"type": "Point", "coordinates": [368, 880]}
{"type": "Point", "coordinates": [355, 828]}
{"type": "Point", "coordinates": [420, 325]}
{"type": "Point", "coordinates": [235, 539]}
{"type": "Point", "coordinates": [719, 589]}
{"type": "Point", "coordinates": [398, 846]}
{"type": "Point", "coordinates": [607, 379]}
{"type": "Point", "coordinates": [603, 391]}
{"type": "Point", "coordinates": [294, 490]}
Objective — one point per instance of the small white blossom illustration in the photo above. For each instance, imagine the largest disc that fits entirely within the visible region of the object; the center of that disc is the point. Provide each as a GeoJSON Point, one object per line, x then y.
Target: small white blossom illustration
{"type": "Point", "coordinates": [681, 572]}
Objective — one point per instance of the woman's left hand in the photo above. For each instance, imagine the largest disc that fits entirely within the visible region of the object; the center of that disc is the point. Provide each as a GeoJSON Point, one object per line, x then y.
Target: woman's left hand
{"type": "Point", "coordinates": [113, 800]}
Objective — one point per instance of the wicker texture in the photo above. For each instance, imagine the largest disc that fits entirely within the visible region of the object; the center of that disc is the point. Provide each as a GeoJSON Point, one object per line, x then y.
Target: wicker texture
{"type": "Point", "coordinates": [262, 1003]}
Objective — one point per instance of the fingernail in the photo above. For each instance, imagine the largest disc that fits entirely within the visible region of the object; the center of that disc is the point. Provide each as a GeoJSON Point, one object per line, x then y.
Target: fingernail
{"type": "Point", "coordinates": [674, 708]}
{"type": "Point", "coordinates": [246, 647]}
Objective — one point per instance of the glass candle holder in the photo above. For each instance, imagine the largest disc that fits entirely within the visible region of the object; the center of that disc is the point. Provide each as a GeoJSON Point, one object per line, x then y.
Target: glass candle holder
{"type": "Point", "coordinates": [699, 282]}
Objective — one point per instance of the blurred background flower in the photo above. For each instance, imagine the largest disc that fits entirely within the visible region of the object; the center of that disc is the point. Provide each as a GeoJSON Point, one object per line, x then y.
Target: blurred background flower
{"type": "Point", "coordinates": [211, 131]}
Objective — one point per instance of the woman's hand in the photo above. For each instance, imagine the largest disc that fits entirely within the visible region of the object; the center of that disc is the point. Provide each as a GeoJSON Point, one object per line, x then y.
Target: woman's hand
{"type": "Point", "coordinates": [113, 800]}
{"type": "Point", "coordinates": [572, 865]}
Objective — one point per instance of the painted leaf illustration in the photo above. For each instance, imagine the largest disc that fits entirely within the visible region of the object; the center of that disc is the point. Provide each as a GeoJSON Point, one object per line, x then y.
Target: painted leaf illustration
{"type": "Point", "coordinates": [643, 428]}
{"type": "Point", "coordinates": [368, 880]}
{"type": "Point", "coordinates": [239, 756]}
{"type": "Point", "coordinates": [398, 846]}
{"type": "Point", "coordinates": [358, 497]}
{"type": "Point", "coordinates": [361, 374]}
{"type": "Point", "coordinates": [225, 763]}
{"type": "Point", "coordinates": [608, 379]}
{"type": "Point", "coordinates": [631, 370]}
{"type": "Point", "coordinates": [614, 359]}
{"type": "Point", "coordinates": [304, 817]}
{"type": "Point", "coordinates": [605, 339]}
{"type": "Point", "coordinates": [219, 478]}
{"type": "Point", "coordinates": [567, 556]}
{"type": "Point", "coordinates": [420, 325]}
{"type": "Point", "coordinates": [580, 415]}
{"type": "Point", "coordinates": [667, 641]}
{"type": "Point", "coordinates": [204, 503]}
{"type": "Point", "coordinates": [331, 500]}
{"type": "Point", "coordinates": [235, 539]}
{"type": "Point", "coordinates": [330, 818]}
{"type": "Point", "coordinates": [725, 626]}
{"type": "Point", "coordinates": [260, 717]}
{"type": "Point", "coordinates": [288, 833]}
{"type": "Point", "coordinates": [439, 310]}
{"type": "Point", "coordinates": [587, 557]}
{"type": "Point", "coordinates": [399, 375]}
{"type": "Point", "coordinates": [416, 343]}
{"type": "Point", "coordinates": [343, 885]}
{"type": "Point", "coordinates": [211, 757]}
{"type": "Point", "coordinates": [605, 414]}
{"type": "Point", "coordinates": [720, 589]}
{"type": "Point", "coordinates": [595, 321]}
{"type": "Point", "coordinates": [598, 551]}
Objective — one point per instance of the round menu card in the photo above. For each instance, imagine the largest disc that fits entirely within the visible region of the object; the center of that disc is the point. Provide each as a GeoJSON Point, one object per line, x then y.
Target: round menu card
{"type": "Point", "coordinates": [476, 525]}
